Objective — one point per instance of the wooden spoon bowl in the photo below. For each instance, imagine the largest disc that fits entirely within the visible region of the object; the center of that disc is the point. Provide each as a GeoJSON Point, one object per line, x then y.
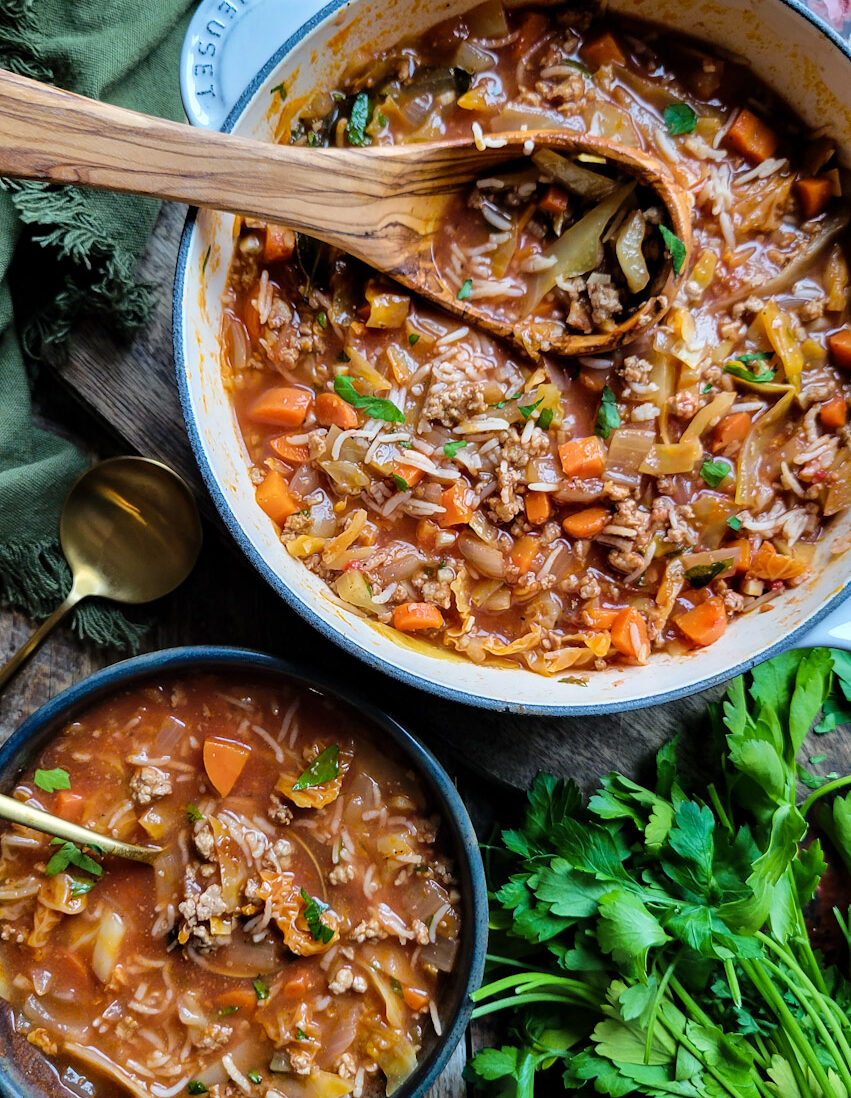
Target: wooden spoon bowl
{"type": "Point", "coordinates": [384, 205]}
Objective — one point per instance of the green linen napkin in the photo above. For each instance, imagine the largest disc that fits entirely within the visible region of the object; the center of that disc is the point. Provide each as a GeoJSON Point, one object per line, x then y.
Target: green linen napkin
{"type": "Point", "coordinates": [67, 253]}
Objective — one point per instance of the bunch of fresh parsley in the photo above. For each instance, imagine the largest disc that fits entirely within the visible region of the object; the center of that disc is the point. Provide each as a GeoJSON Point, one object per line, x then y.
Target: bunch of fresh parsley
{"type": "Point", "coordinates": [653, 940]}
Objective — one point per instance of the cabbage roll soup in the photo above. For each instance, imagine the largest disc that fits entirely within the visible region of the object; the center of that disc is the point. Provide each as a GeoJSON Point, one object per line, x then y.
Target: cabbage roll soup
{"type": "Point", "coordinates": [572, 514]}
{"type": "Point", "coordinates": [291, 939]}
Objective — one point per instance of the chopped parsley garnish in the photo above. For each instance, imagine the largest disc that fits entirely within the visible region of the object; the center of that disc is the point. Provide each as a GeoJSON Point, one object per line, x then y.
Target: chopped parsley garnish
{"type": "Point", "coordinates": [403, 444]}
{"type": "Point", "coordinates": [322, 320]}
{"type": "Point", "coordinates": [359, 120]}
{"type": "Point", "coordinates": [703, 574]}
{"type": "Point", "coordinates": [195, 1086]}
{"type": "Point", "coordinates": [280, 89]}
{"type": "Point", "coordinates": [816, 759]}
{"type": "Point", "coordinates": [465, 290]}
{"type": "Point", "coordinates": [707, 388]}
{"type": "Point", "coordinates": [375, 407]}
{"type": "Point", "coordinates": [69, 854]}
{"type": "Point", "coordinates": [679, 118]}
{"type": "Point", "coordinates": [572, 680]}
{"type": "Point", "coordinates": [527, 409]}
{"type": "Point", "coordinates": [313, 909]}
{"type": "Point", "coordinates": [255, 1077]}
{"type": "Point", "coordinates": [206, 259]}
{"type": "Point", "coordinates": [261, 990]}
{"type": "Point", "coordinates": [395, 986]}
{"type": "Point", "coordinates": [324, 768]}
{"type": "Point", "coordinates": [226, 1012]}
{"type": "Point", "coordinates": [738, 367]}
{"type": "Point", "coordinates": [194, 813]}
{"type": "Point", "coordinates": [713, 472]}
{"type": "Point", "coordinates": [382, 119]}
{"type": "Point", "coordinates": [312, 140]}
{"type": "Point", "coordinates": [734, 523]}
{"type": "Point", "coordinates": [452, 447]}
{"type": "Point", "coordinates": [302, 1036]}
{"type": "Point", "coordinates": [414, 338]}
{"type": "Point", "coordinates": [51, 780]}
{"type": "Point", "coordinates": [675, 246]}
{"type": "Point", "coordinates": [545, 418]}
{"type": "Point", "coordinates": [401, 483]}
{"type": "Point", "coordinates": [608, 416]}
{"type": "Point", "coordinates": [507, 400]}
{"type": "Point", "coordinates": [343, 357]}
{"type": "Point", "coordinates": [81, 888]}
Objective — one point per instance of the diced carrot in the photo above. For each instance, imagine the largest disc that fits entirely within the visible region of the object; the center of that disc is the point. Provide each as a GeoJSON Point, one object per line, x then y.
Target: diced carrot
{"type": "Point", "coordinates": [283, 406]}
{"type": "Point", "coordinates": [603, 51]}
{"type": "Point", "coordinates": [455, 502]}
{"type": "Point", "coordinates": [751, 138]}
{"type": "Point", "coordinates": [69, 805]}
{"type": "Point", "coordinates": [292, 452]}
{"type": "Point", "coordinates": [770, 565]}
{"type": "Point", "coordinates": [412, 616]}
{"type": "Point", "coordinates": [840, 348]}
{"type": "Point", "coordinates": [834, 413]}
{"type": "Point", "coordinates": [554, 200]}
{"type": "Point", "coordinates": [280, 243]}
{"type": "Point", "coordinates": [600, 617]}
{"type": "Point", "coordinates": [732, 428]}
{"type": "Point", "coordinates": [224, 761]}
{"type": "Point", "coordinates": [411, 474]}
{"type": "Point", "coordinates": [333, 411]}
{"type": "Point", "coordinates": [584, 458]}
{"type": "Point", "coordinates": [629, 635]}
{"type": "Point", "coordinates": [813, 194]}
{"type": "Point", "coordinates": [243, 998]}
{"type": "Point", "coordinates": [744, 561]}
{"type": "Point", "coordinates": [415, 999]}
{"type": "Point", "coordinates": [524, 551]}
{"type": "Point", "coordinates": [538, 508]}
{"type": "Point", "coordinates": [275, 498]}
{"type": "Point", "coordinates": [251, 318]}
{"type": "Point", "coordinates": [586, 523]}
{"type": "Point", "coordinates": [427, 532]}
{"type": "Point", "coordinates": [705, 623]}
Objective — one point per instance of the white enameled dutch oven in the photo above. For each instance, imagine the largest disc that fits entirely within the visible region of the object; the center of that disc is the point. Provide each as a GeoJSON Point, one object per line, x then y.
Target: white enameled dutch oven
{"type": "Point", "coordinates": [796, 54]}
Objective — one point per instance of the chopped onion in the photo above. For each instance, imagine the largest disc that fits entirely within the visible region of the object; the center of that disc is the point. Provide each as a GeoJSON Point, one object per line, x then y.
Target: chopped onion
{"type": "Point", "coordinates": [240, 959]}
{"type": "Point", "coordinates": [628, 244]}
{"type": "Point", "coordinates": [352, 587]}
{"type": "Point", "coordinates": [628, 449]}
{"type": "Point", "coordinates": [709, 416]}
{"type": "Point", "coordinates": [677, 457]}
{"type": "Point", "coordinates": [486, 559]}
{"type": "Point", "coordinates": [440, 953]}
{"type": "Point", "coordinates": [108, 945]}
{"type": "Point", "coordinates": [839, 493]}
{"type": "Point", "coordinates": [473, 58]}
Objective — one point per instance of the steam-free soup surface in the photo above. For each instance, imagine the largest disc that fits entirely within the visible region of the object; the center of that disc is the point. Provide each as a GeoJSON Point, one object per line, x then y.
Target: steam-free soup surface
{"type": "Point", "coordinates": [291, 940]}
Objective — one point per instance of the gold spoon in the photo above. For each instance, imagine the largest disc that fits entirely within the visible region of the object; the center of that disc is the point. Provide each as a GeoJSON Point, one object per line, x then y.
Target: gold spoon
{"type": "Point", "coordinates": [27, 816]}
{"type": "Point", "coordinates": [384, 205]}
{"type": "Point", "coordinates": [130, 531]}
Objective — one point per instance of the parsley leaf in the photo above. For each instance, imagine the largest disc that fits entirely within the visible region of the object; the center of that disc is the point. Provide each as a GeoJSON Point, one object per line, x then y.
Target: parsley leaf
{"type": "Point", "coordinates": [545, 418]}
{"type": "Point", "coordinates": [194, 813]}
{"type": "Point", "coordinates": [195, 1086]}
{"type": "Point", "coordinates": [527, 409]}
{"type": "Point", "coordinates": [703, 574]}
{"type": "Point", "coordinates": [302, 1036]}
{"type": "Point", "coordinates": [465, 290]}
{"type": "Point", "coordinates": [375, 407]}
{"type": "Point", "coordinates": [313, 908]}
{"type": "Point", "coordinates": [573, 680]}
{"type": "Point", "coordinates": [738, 368]}
{"type": "Point", "coordinates": [254, 1077]}
{"type": "Point", "coordinates": [322, 320]}
{"type": "Point", "coordinates": [261, 990]}
{"type": "Point", "coordinates": [226, 1012]}
{"type": "Point", "coordinates": [713, 472]}
{"type": "Point", "coordinates": [734, 523]}
{"type": "Point", "coordinates": [676, 248]}
{"type": "Point", "coordinates": [608, 416]}
{"type": "Point", "coordinates": [396, 986]}
{"type": "Point", "coordinates": [324, 768]}
{"type": "Point", "coordinates": [81, 888]}
{"type": "Point", "coordinates": [359, 120]}
{"type": "Point", "coordinates": [70, 854]}
{"type": "Point", "coordinates": [679, 118]}
{"type": "Point", "coordinates": [414, 338]}
{"type": "Point", "coordinates": [401, 483]}
{"type": "Point", "coordinates": [206, 259]}
{"type": "Point", "coordinates": [452, 447]}
{"type": "Point", "coordinates": [51, 780]}
{"type": "Point", "coordinates": [280, 89]}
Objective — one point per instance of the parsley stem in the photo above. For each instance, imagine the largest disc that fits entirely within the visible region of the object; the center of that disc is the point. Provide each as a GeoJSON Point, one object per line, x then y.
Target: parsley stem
{"type": "Point", "coordinates": [788, 1054]}
{"type": "Point", "coordinates": [654, 1008]}
{"type": "Point", "coordinates": [691, 1006]}
{"type": "Point", "coordinates": [733, 981]}
{"type": "Point", "coordinates": [719, 808]}
{"type": "Point", "coordinates": [526, 981]}
{"type": "Point", "coordinates": [788, 958]}
{"type": "Point", "coordinates": [837, 783]}
{"type": "Point", "coordinates": [512, 1001]}
{"type": "Point", "coordinates": [681, 1038]}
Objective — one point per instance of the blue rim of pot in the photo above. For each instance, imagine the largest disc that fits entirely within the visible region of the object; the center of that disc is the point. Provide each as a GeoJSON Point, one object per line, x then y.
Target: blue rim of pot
{"type": "Point", "coordinates": [46, 721]}
{"type": "Point", "coordinates": [291, 595]}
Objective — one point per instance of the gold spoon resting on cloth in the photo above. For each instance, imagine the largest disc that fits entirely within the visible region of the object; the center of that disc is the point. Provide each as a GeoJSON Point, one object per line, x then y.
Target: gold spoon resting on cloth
{"type": "Point", "coordinates": [385, 205]}
{"type": "Point", "coordinates": [130, 531]}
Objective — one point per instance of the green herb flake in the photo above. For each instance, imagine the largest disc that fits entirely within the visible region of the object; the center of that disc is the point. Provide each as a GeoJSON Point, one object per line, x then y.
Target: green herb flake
{"type": "Point", "coordinates": [375, 407]}
{"type": "Point", "coordinates": [734, 523]}
{"type": "Point", "coordinates": [816, 759]}
{"type": "Point", "coordinates": [707, 388]}
{"type": "Point", "coordinates": [195, 1086]}
{"type": "Point", "coordinates": [396, 986]}
{"type": "Point", "coordinates": [679, 118]}
{"type": "Point", "coordinates": [527, 409]}
{"type": "Point", "coordinates": [81, 888]}
{"type": "Point", "coordinates": [343, 357]}
{"type": "Point", "coordinates": [465, 290]}
{"type": "Point", "coordinates": [255, 1077]}
{"type": "Point", "coordinates": [324, 768]}
{"type": "Point", "coordinates": [51, 780]}
{"type": "Point", "coordinates": [545, 418]}
{"type": "Point", "coordinates": [227, 1011]}
{"type": "Point", "coordinates": [359, 120]}
{"type": "Point", "coordinates": [676, 248]}
{"type": "Point", "coordinates": [713, 472]}
{"type": "Point", "coordinates": [608, 416]}
{"type": "Point", "coordinates": [401, 483]}
{"type": "Point", "coordinates": [313, 909]}
{"type": "Point", "coordinates": [573, 680]}
{"type": "Point", "coordinates": [194, 813]}
{"type": "Point", "coordinates": [322, 320]}
{"type": "Point", "coordinates": [382, 119]}
{"type": "Point", "coordinates": [506, 400]}
{"type": "Point", "coordinates": [738, 367]}
{"type": "Point", "coordinates": [261, 990]}
{"type": "Point", "coordinates": [452, 447]}
{"type": "Point", "coordinates": [302, 1036]}
{"type": "Point", "coordinates": [70, 854]}
{"type": "Point", "coordinates": [206, 259]}
{"type": "Point", "coordinates": [280, 89]}
{"type": "Point", "coordinates": [414, 338]}
{"type": "Point", "coordinates": [403, 444]}
{"type": "Point", "coordinates": [312, 140]}
{"type": "Point", "coordinates": [703, 574]}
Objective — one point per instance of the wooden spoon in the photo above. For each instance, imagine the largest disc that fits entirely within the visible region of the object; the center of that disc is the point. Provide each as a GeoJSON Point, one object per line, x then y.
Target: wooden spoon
{"type": "Point", "coordinates": [383, 205]}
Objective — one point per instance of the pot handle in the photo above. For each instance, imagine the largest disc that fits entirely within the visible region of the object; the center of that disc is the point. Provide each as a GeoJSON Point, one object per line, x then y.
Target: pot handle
{"type": "Point", "coordinates": [833, 631]}
{"type": "Point", "coordinates": [226, 44]}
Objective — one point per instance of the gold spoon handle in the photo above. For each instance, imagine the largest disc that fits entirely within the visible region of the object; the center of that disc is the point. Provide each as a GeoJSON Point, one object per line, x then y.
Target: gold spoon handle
{"type": "Point", "coordinates": [27, 649]}
{"type": "Point", "coordinates": [27, 816]}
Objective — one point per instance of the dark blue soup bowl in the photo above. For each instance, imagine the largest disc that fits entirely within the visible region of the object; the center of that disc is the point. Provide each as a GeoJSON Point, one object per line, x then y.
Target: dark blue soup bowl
{"type": "Point", "coordinates": [25, 1073]}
